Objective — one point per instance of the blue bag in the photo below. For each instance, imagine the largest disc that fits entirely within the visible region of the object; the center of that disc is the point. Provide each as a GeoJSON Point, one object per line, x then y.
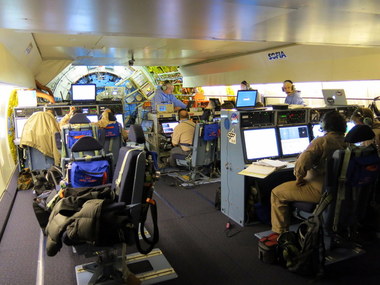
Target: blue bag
{"type": "Point", "coordinates": [210, 132]}
{"type": "Point", "coordinates": [73, 136]}
{"type": "Point", "coordinates": [112, 130]}
{"type": "Point", "coordinates": [89, 173]}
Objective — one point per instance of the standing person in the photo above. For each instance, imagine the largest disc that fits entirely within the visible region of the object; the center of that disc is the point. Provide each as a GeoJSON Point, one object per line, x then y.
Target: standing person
{"type": "Point", "coordinates": [309, 171]}
{"type": "Point", "coordinates": [364, 116]}
{"type": "Point", "coordinates": [182, 136]}
{"type": "Point", "coordinates": [293, 97]}
{"type": "Point", "coordinates": [164, 95]}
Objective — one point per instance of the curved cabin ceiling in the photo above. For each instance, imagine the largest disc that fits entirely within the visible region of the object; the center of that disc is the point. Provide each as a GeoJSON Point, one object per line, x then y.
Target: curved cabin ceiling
{"type": "Point", "coordinates": [184, 32]}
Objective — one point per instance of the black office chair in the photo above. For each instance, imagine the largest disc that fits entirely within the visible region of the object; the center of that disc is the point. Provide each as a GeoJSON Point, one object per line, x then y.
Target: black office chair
{"type": "Point", "coordinates": [123, 212]}
{"type": "Point", "coordinates": [351, 176]}
{"type": "Point", "coordinates": [203, 153]}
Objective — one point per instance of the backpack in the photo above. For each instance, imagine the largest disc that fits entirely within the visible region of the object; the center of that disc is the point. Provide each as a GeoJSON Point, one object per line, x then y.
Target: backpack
{"type": "Point", "coordinates": [303, 251]}
{"type": "Point", "coordinates": [89, 173]}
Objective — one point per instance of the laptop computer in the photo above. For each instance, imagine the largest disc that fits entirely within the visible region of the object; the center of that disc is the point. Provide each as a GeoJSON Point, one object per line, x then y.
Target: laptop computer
{"type": "Point", "coordinates": [246, 99]}
{"type": "Point", "coordinates": [334, 97]}
{"type": "Point", "coordinates": [165, 108]}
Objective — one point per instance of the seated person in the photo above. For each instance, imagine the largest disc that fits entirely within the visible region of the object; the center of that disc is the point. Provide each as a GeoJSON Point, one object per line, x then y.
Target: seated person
{"type": "Point", "coordinates": [309, 172]}
{"type": "Point", "coordinates": [293, 97]}
{"type": "Point", "coordinates": [183, 135]}
{"type": "Point", "coordinates": [164, 95]}
{"type": "Point", "coordinates": [364, 116]}
{"type": "Point", "coordinates": [108, 117]}
{"type": "Point", "coordinates": [65, 120]}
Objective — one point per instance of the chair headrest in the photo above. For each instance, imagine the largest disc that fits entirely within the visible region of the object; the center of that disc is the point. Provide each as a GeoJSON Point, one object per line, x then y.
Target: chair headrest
{"type": "Point", "coordinates": [136, 134]}
{"type": "Point", "coordinates": [79, 118]}
{"type": "Point", "coordinates": [86, 144]}
{"type": "Point", "coordinates": [359, 133]}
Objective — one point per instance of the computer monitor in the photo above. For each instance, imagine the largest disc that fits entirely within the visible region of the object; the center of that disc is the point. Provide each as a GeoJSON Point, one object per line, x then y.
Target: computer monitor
{"type": "Point", "coordinates": [350, 125]}
{"type": "Point", "coordinates": [119, 118]}
{"type": "Point", "coordinates": [147, 125]}
{"type": "Point", "coordinates": [92, 118]}
{"type": "Point", "coordinates": [317, 131]}
{"type": "Point", "coordinates": [216, 103]}
{"type": "Point", "coordinates": [246, 99]}
{"type": "Point", "coordinates": [293, 139]}
{"type": "Point", "coordinates": [334, 97]}
{"type": "Point", "coordinates": [168, 127]}
{"type": "Point", "coordinates": [259, 143]}
{"type": "Point", "coordinates": [83, 93]}
{"type": "Point", "coordinates": [19, 126]}
{"type": "Point", "coordinates": [165, 108]}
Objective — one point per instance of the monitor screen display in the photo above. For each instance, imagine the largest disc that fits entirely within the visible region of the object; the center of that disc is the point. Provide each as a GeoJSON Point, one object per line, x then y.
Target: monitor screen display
{"type": "Point", "coordinates": [83, 93]}
{"type": "Point", "coordinates": [246, 98]}
{"type": "Point", "coordinates": [168, 127]}
{"type": "Point", "coordinates": [119, 118]}
{"type": "Point", "coordinates": [253, 146]}
{"type": "Point", "coordinates": [317, 131]}
{"type": "Point", "coordinates": [147, 125]}
{"type": "Point", "coordinates": [350, 125]}
{"type": "Point", "coordinates": [294, 139]}
{"type": "Point", "coordinates": [20, 126]}
{"type": "Point", "coordinates": [92, 118]}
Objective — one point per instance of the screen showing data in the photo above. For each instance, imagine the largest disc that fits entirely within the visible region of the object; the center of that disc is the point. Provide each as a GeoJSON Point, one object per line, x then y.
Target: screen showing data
{"type": "Point", "coordinates": [293, 139]}
{"type": "Point", "coordinates": [260, 143]}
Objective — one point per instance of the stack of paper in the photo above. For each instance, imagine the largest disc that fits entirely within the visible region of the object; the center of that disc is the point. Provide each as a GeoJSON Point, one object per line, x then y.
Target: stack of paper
{"type": "Point", "coordinates": [263, 168]}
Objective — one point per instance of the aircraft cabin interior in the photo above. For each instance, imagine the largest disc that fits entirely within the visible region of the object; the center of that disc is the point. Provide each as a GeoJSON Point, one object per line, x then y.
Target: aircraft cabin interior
{"type": "Point", "coordinates": [189, 142]}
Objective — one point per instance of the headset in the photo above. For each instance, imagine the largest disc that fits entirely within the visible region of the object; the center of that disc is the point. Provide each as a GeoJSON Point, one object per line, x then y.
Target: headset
{"type": "Point", "coordinates": [373, 106]}
{"type": "Point", "coordinates": [291, 82]}
{"type": "Point", "coordinates": [363, 118]}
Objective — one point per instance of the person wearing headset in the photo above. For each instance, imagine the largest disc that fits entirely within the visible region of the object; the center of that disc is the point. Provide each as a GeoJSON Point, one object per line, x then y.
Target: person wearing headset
{"type": "Point", "coordinates": [244, 85]}
{"type": "Point", "coordinates": [293, 97]}
{"type": "Point", "coordinates": [182, 136]}
{"type": "Point", "coordinates": [164, 95]}
{"type": "Point", "coordinates": [364, 116]}
{"type": "Point", "coordinates": [309, 171]}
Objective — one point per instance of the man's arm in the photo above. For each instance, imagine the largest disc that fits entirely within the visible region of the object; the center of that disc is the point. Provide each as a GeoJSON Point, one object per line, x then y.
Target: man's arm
{"type": "Point", "coordinates": [178, 103]}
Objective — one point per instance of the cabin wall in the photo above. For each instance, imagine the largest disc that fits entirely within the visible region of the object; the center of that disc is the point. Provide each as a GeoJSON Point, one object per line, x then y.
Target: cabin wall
{"type": "Point", "coordinates": [300, 63]}
{"type": "Point", "coordinates": [13, 74]}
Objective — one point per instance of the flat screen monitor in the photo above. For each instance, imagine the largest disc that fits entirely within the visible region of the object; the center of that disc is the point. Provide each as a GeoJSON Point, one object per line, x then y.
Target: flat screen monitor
{"type": "Point", "coordinates": [259, 143]}
{"type": "Point", "coordinates": [83, 93]}
{"type": "Point", "coordinates": [147, 125]}
{"type": "Point", "coordinates": [119, 118]}
{"type": "Point", "coordinates": [350, 125]}
{"type": "Point", "coordinates": [19, 126]}
{"type": "Point", "coordinates": [293, 139]}
{"type": "Point", "coordinates": [168, 127]}
{"type": "Point", "coordinates": [317, 131]}
{"type": "Point", "coordinates": [216, 103]}
{"type": "Point", "coordinates": [246, 99]}
{"type": "Point", "coordinates": [92, 118]}
{"type": "Point", "coordinates": [334, 97]}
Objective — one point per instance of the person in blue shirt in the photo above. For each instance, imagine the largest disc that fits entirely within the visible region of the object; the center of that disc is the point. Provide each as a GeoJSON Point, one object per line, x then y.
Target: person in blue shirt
{"type": "Point", "coordinates": [293, 97]}
{"type": "Point", "coordinates": [164, 95]}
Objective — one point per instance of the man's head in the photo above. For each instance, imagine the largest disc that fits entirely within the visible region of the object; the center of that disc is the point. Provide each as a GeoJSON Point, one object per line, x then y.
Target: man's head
{"type": "Point", "coordinates": [333, 121]}
{"type": "Point", "coordinates": [244, 85]}
{"type": "Point", "coordinates": [363, 116]}
{"type": "Point", "coordinates": [183, 114]}
{"type": "Point", "coordinates": [288, 87]}
{"type": "Point", "coordinates": [167, 87]}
